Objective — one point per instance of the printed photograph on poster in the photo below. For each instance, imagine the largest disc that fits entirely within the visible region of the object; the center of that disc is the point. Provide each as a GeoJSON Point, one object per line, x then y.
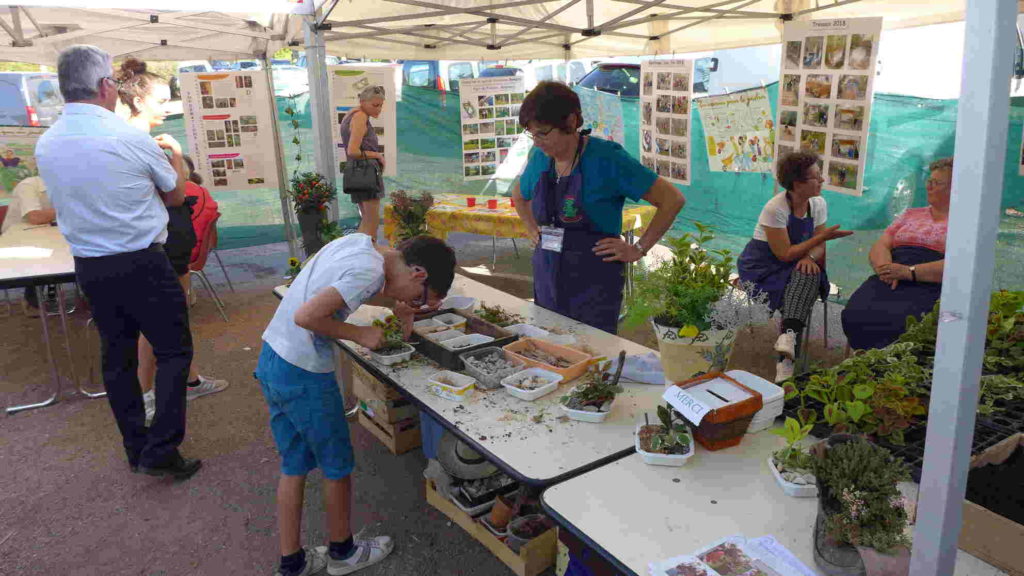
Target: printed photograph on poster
{"type": "Point", "coordinates": [648, 112]}
{"type": "Point", "coordinates": [665, 109]}
{"type": "Point", "coordinates": [813, 141]}
{"type": "Point", "coordinates": [792, 57]}
{"type": "Point", "coordinates": [853, 87]}
{"type": "Point", "coordinates": [842, 175]}
{"type": "Point", "coordinates": [790, 87]}
{"type": "Point", "coordinates": [648, 84]}
{"type": "Point", "coordinates": [787, 125]}
{"type": "Point", "coordinates": [862, 49]}
{"type": "Point", "coordinates": [818, 86]}
{"type": "Point", "coordinates": [845, 147]}
{"type": "Point", "coordinates": [646, 141]}
{"type": "Point", "coordinates": [231, 144]}
{"type": "Point", "coordinates": [849, 118]}
{"type": "Point", "coordinates": [816, 115]}
{"type": "Point", "coordinates": [835, 52]}
{"type": "Point", "coordinates": [17, 156]}
{"type": "Point", "coordinates": [812, 52]}
{"type": "Point", "coordinates": [491, 135]}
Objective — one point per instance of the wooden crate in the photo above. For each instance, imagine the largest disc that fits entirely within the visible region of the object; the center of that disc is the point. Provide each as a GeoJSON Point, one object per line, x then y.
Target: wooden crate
{"type": "Point", "coordinates": [379, 389]}
{"type": "Point", "coordinates": [533, 558]}
{"type": "Point", "coordinates": [380, 409]}
{"type": "Point", "coordinates": [399, 437]}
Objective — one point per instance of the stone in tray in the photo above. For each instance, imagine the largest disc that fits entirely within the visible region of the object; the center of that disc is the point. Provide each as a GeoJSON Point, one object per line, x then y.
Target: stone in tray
{"type": "Point", "coordinates": [492, 364]}
{"type": "Point", "coordinates": [391, 349]}
{"type": "Point", "coordinates": [530, 382]}
{"type": "Point", "coordinates": [534, 353]}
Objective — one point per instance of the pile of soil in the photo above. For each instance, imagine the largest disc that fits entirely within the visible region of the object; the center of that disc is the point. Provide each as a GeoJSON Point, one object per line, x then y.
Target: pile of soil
{"type": "Point", "coordinates": [999, 488]}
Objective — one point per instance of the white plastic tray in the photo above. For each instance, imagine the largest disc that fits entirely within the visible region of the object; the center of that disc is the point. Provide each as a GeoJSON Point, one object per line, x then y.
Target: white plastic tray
{"type": "Point", "coordinates": [457, 393]}
{"type": "Point", "coordinates": [466, 341]}
{"type": "Point", "coordinates": [446, 335]}
{"type": "Point", "coordinates": [584, 416]}
{"type": "Point", "coordinates": [657, 459]}
{"type": "Point", "coordinates": [530, 395]}
{"type": "Point", "coordinates": [428, 326]}
{"type": "Point", "coordinates": [527, 330]}
{"type": "Point", "coordinates": [393, 358]}
{"type": "Point", "coordinates": [769, 392]}
{"type": "Point", "coordinates": [794, 490]}
{"type": "Point", "coordinates": [451, 320]}
{"type": "Point", "coordinates": [476, 510]}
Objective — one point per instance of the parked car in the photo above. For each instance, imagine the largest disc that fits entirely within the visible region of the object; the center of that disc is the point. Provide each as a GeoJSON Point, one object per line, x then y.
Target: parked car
{"type": "Point", "coordinates": [29, 99]}
{"type": "Point", "coordinates": [438, 74]}
{"type": "Point", "coordinates": [624, 78]}
{"type": "Point", "coordinates": [194, 66]}
{"type": "Point", "coordinates": [301, 61]}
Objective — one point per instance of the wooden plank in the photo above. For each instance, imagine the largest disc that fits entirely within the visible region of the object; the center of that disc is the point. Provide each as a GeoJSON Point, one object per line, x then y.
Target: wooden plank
{"type": "Point", "coordinates": [380, 409]}
{"type": "Point", "coordinates": [534, 557]}
{"type": "Point", "coordinates": [379, 389]}
{"type": "Point", "coordinates": [399, 438]}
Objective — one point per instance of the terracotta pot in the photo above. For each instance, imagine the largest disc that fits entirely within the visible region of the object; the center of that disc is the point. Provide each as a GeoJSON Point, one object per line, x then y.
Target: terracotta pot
{"type": "Point", "coordinates": [501, 513]}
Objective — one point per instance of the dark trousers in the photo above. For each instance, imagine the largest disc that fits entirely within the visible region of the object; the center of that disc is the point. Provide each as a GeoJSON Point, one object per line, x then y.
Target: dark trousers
{"type": "Point", "coordinates": [132, 293]}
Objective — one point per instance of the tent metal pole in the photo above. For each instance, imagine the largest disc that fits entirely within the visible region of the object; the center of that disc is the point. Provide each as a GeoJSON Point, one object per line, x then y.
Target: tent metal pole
{"type": "Point", "coordinates": [320, 107]}
{"type": "Point", "coordinates": [981, 133]}
{"type": "Point", "coordinates": [282, 173]}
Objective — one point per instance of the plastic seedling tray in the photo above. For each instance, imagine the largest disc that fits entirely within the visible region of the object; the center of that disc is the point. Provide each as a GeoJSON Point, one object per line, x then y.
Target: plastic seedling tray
{"type": "Point", "coordinates": [466, 341]}
{"type": "Point", "coordinates": [584, 416]}
{"type": "Point", "coordinates": [449, 359]}
{"type": "Point", "coordinates": [578, 359]}
{"type": "Point", "coordinates": [553, 380]}
{"type": "Point", "coordinates": [459, 499]}
{"type": "Point", "coordinates": [428, 326]}
{"type": "Point", "coordinates": [658, 459]}
{"type": "Point", "coordinates": [460, 387]}
{"type": "Point", "coordinates": [394, 357]}
{"type": "Point", "coordinates": [485, 380]}
{"type": "Point", "coordinates": [791, 489]}
{"type": "Point", "coordinates": [446, 334]}
{"type": "Point", "coordinates": [451, 320]}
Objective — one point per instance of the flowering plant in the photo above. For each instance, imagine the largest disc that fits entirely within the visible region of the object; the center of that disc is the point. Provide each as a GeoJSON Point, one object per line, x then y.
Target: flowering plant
{"type": "Point", "coordinates": [310, 192]}
{"type": "Point", "coordinates": [411, 213]}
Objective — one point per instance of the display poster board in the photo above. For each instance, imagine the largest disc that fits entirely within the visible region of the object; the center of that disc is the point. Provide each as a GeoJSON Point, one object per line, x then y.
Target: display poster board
{"type": "Point", "coordinates": [739, 131]}
{"type": "Point", "coordinates": [346, 82]}
{"type": "Point", "coordinates": [491, 135]}
{"type": "Point", "coordinates": [602, 113]}
{"type": "Point", "coordinates": [825, 93]}
{"type": "Point", "coordinates": [665, 92]}
{"type": "Point", "coordinates": [17, 156]}
{"type": "Point", "coordinates": [229, 120]}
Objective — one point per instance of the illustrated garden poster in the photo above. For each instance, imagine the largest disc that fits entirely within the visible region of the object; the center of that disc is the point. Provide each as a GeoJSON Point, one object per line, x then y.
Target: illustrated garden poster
{"type": "Point", "coordinates": [17, 156]}
{"type": "Point", "coordinates": [602, 113]}
{"type": "Point", "coordinates": [739, 131]}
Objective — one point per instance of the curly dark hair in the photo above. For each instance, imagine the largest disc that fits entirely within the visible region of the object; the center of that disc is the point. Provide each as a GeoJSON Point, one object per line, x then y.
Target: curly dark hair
{"type": "Point", "coordinates": [793, 168]}
{"type": "Point", "coordinates": [435, 256]}
{"type": "Point", "coordinates": [552, 104]}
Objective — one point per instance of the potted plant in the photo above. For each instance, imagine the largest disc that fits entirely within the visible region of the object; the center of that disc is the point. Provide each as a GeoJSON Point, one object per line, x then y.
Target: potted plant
{"type": "Point", "coordinates": [668, 443]}
{"type": "Point", "coordinates": [744, 307]}
{"type": "Point", "coordinates": [861, 518]}
{"type": "Point", "coordinates": [310, 192]}
{"type": "Point", "coordinates": [395, 349]}
{"type": "Point", "coordinates": [525, 528]}
{"type": "Point", "coordinates": [792, 466]}
{"type": "Point", "coordinates": [677, 296]}
{"type": "Point", "coordinates": [410, 213]}
{"type": "Point", "coordinates": [497, 315]}
{"type": "Point", "coordinates": [591, 400]}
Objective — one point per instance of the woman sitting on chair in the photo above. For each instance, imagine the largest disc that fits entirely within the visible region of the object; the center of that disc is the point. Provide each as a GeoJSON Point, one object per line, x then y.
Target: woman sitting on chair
{"type": "Point", "coordinates": [908, 260]}
{"type": "Point", "coordinates": [786, 257]}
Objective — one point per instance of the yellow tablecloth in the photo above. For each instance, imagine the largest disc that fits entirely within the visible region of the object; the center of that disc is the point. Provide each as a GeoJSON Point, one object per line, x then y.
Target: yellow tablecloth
{"type": "Point", "coordinates": [450, 214]}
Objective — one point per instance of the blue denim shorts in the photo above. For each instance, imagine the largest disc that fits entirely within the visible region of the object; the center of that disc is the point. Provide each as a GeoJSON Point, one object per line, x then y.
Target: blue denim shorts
{"type": "Point", "coordinates": [307, 418]}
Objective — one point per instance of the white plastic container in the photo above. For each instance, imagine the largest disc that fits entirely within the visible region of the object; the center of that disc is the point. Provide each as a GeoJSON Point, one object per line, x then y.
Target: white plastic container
{"type": "Point", "coordinates": [486, 522]}
{"type": "Point", "coordinates": [791, 489]}
{"type": "Point", "coordinates": [657, 459]}
{"type": "Point", "coordinates": [489, 381]}
{"type": "Point", "coordinates": [584, 416]}
{"type": "Point", "coordinates": [527, 330]}
{"type": "Point", "coordinates": [466, 341]}
{"type": "Point", "coordinates": [460, 387]}
{"type": "Point", "coordinates": [394, 358]}
{"type": "Point", "coordinates": [428, 326]}
{"type": "Point", "coordinates": [453, 321]}
{"type": "Point", "coordinates": [474, 511]}
{"type": "Point", "coordinates": [460, 303]}
{"type": "Point", "coordinates": [530, 395]}
{"type": "Point", "coordinates": [446, 335]}
{"type": "Point", "coordinates": [560, 339]}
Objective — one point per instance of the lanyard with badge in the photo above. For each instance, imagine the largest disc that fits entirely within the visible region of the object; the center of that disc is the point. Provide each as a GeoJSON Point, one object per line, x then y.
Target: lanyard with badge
{"type": "Point", "coordinates": [551, 236]}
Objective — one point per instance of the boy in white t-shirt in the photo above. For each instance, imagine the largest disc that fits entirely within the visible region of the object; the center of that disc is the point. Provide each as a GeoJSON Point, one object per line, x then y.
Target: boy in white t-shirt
{"type": "Point", "coordinates": [296, 372]}
{"type": "Point", "coordinates": [30, 207]}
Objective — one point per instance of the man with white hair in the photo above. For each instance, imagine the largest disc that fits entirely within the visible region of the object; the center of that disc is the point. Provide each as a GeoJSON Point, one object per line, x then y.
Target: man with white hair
{"type": "Point", "coordinates": [109, 183]}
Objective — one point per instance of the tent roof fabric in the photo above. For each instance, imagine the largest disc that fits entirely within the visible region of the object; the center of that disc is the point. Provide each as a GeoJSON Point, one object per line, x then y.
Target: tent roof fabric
{"type": "Point", "coordinates": [528, 29]}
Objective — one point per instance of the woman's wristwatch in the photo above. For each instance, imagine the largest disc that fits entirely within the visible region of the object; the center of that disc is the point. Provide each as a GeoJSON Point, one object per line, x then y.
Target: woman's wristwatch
{"type": "Point", "coordinates": [640, 247]}
{"type": "Point", "coordinates": [913, 273]}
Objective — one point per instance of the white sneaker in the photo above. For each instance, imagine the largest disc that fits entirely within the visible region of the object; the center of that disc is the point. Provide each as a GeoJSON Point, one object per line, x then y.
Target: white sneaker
{"type": "Point", "coordinates": [783, 370]}
{"type": "Point", "coordinates": [149, 400]}
{"type": "Point", "coordinates": [316, 560]}
{"type": "Point", "coordinates": [786, 344]}
{"type": "Point", "coordinates": [366, 553]}
{"type": "Point", "coordinates": [206, 386]}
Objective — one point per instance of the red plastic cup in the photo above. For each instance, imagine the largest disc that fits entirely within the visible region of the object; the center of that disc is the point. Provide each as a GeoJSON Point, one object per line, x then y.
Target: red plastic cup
{"type": "Point", "coordinates": [470, 202]}
{"type": "Point", "coordinates": [492, 204]}
{"type": "Point", "coordinates": [512, 201]}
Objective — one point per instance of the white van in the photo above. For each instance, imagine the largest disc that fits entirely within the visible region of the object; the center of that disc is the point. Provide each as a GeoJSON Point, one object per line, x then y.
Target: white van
{"type": "Point", "coordinates": [194, 66]}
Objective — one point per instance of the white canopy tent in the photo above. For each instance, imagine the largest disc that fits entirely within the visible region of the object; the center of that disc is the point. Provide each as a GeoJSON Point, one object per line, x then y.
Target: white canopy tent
{"type": "Point", "coordinates": [526, 29]}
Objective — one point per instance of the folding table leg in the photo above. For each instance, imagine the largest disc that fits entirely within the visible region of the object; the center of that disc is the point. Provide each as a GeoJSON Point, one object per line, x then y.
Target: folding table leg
{"type": "Point", "coordinates": [88, 324]}
{"type": "Point", "coordinates": [54, 375]}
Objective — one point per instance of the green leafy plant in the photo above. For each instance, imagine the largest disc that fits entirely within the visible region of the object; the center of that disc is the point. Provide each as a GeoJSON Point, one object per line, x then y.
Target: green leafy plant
{"type": "Point", "coordinates": [680, 292]}
{"type": "Point", "coordinates": [310, 192]}
{"type": "Point", "coordinates": [859, 493]}
{"type": "Point", "coordinates": [497, 315]}
{"type": "Point", "coordinates": [410, 213]}
{"type": "Point", "coordinates": [294, 123]}
{"type": "Point", "coordinates": [596, 387]}
{"type": "Point", "coordinates": [670, 436]}
{"type": "Point", "coordinates": [294, 267]}
{"type": "Point", "coordinates": [793, 456]}
{"type": "Point", "coordinates": [393, 334]}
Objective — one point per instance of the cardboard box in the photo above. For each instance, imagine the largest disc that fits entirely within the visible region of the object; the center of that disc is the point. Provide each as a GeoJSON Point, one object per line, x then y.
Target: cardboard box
{"type": "Point", "coordinates": [987, 535]}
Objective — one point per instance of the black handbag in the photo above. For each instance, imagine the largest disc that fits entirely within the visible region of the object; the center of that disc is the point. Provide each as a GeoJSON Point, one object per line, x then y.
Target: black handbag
{"type": "Point", "coordinates": [362, 176]}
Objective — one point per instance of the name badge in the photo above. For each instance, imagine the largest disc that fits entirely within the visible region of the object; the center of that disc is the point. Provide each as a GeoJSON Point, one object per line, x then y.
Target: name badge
{"type": "Point", "coordinates": [551, 238]}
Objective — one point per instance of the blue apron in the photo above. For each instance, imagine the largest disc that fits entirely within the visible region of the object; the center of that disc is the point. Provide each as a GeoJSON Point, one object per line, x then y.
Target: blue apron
{"type": "Point", "coordinates": [575, 282]}
{"type": "Point", "coordinates": [759, 266]}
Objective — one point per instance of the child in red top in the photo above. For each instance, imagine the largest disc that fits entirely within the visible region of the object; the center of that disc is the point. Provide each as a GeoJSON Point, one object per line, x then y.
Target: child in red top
{"type": "Point", "coordinates": [204, 211]}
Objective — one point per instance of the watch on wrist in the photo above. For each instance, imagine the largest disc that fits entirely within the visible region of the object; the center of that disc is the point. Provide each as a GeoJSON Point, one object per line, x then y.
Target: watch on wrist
{"type": "Point", "coordinates": [913, 273]}
{"type": "Point", "coordinates": [640, 247]}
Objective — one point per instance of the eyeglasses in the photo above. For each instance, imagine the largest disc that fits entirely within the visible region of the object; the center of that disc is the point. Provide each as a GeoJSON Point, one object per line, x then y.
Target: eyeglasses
{"type": "Point", "coordinates": [111, 78]}
{"type": "Point", "coordinates": [419, 302]}
{"type": "Point", "coordinates": [936, 182]}
{"type": "Point", "coordinates": [818, 178]}
{"type": "Point", "coordinates": [539, 135]}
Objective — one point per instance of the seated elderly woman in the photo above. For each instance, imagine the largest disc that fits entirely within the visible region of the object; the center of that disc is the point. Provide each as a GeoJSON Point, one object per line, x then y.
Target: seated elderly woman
{"type": "Point", "coordinates": [908, 261]}
{"type": "Point", "coordinates": [786, 257]}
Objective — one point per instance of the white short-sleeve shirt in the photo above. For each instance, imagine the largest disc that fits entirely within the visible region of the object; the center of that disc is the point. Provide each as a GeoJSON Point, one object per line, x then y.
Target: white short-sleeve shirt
{"type": "Point", "coordinates": [29, 196]}
{"type": "Point", "coordinates": [103, 177]}
{"type": "Point", "coordinates": [775, 214]}
{"type": "Point", "coordinates": [353, 267]}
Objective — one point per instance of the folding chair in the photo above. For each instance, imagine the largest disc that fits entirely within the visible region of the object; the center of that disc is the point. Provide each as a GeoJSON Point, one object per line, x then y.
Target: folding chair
{"type": "Point", "coordinates": [195, 268]}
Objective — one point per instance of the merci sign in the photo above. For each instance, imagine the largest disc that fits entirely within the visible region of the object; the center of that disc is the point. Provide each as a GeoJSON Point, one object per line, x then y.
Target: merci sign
{"type": "Point", "coordinates": [686, 404]}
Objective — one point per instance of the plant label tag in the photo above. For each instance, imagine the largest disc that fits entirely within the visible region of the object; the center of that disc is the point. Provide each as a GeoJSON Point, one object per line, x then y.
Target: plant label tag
{"type": "Point", "coordinates": [551, 238]}
{"type": "Point", "coordinates": [686, 404]}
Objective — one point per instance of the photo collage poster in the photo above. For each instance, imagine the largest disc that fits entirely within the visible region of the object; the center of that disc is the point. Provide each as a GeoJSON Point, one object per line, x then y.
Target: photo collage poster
{"type": "Point", "coordinates": [825, 93]}
{"type": "Point", "coordinates": [739, 131]}
{"type": "Point", "coordinates": [17, 156]}
{"type": "Point", "coordinates": [346, 82]}
{"type": "Point", "coordinates": [489, 109]}
{"type": "Point", "coordinates": [229, 122]}
{"type": "Point", "coordinates": [666, 90]}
